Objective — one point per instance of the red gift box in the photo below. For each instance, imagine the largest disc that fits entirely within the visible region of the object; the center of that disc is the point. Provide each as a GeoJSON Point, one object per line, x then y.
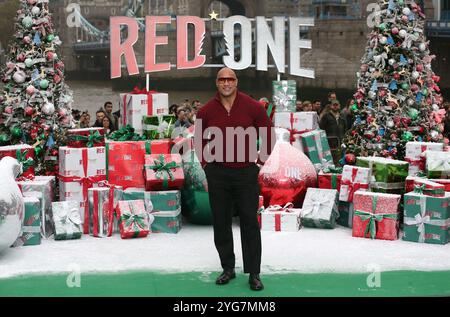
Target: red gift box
{"type": "Point", "coordinates": [125, 160]}
{"type": "Point", "coordinates": [134, 220]}
{"type": "Point", "coordinates": [429, 188]}
{"type": "Point", "coordinates": [375, 215]}
{"type": "Point", "coordinates": [409, 183]}
{"type": "Point", "coordinates": [24, 154]}
{"type": "Point", "coordinates": [88, 137]}
{"type": "Point", "coordinates": [445, 182]}
{"type": "Point", "coordinates": [329, 180]}
{"type": "Point", "coordinates": [163, 172]}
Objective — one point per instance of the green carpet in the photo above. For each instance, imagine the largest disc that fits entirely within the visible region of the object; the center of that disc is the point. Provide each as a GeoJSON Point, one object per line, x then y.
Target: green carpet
{"type": "Point", "coordinates": [394, 283]}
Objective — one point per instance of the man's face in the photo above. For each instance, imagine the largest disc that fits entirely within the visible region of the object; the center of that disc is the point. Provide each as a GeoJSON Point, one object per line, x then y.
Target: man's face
{"type": "Point", "coordinates": [100, 116]}
{"type": "Point", "coordinates": [226, 82]}
{"type": "Point", "coordinates": [316, 106]}
{"type": "Point", "coordinates": [181, 115]}
{"type": "Point", "coordinates": [335, 107]}
{"type": "Point", "coordinates": [307, 107]}
{"type": "Point", "coordinates": [332, 96]}
{"type": "Point", "coordinates": [108, 108]}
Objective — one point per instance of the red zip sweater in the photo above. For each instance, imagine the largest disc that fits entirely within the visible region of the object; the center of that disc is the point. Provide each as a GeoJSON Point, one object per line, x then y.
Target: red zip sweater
{"type": "Point", "coordinates": [245, 112]}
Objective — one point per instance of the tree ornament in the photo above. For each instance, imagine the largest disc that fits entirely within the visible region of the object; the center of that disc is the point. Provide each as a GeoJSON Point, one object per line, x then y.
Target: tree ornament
{"type": "Point", "coordinates": [372, 95]}
{"type": "Point", "coordinates": [415, 74]}
{"type": "Point", "coordinates": [435, 78]}
{"type": "Point", "coordinates": [383, 40]}
{"type": "Point", "coordinates": [422, 47]}
{"type": "Point", "coordinates": [56, 79]}
{"type": "Point", "coordinates": [410, 102]}
{"type": "Point", "coordinates": [382, 27]}
{"type": "Point", "coordinates": [434, 134]}
{"type": "Point", "coordinates": [48, 108]}
{"type": "Point", "coordinates": [413, 113]}
{"type": "Point", "coordinates": [406, 11]}
{"type": "Point", "coordinates": [414, 87]}
{"type": "Point", "coordinates": [354, 107]}
{"type": "Point", "coordinates": [394, 30]}
{"type": "Point", "coordinates": [435, 107]}
{"type": "Point", "coordinates": [51, 56]}
{"type": "Point", "coordinates": [391, 61]}
{"type": "Point", "coordinates": [390, 124]}
{"type": "Point", "coordinates": [419, 67]}
{"type": "Point", "coordinates": [29, 111]}
{"type": "Point", "coordinates": [31, 2]}
{"type": "Point", "coordinates": [350, 158]}
{"type": "Point", "coordinates": [402, 33]}
{"type": "Point", "coordinates": [29, 62]}
{"type": "Point", "coordinates": [44, 83]}
{"type": "Point", "coordinates": [35, 10]}
{"type": "Point", "coordinates": [50, 37]}
{"type": "Point", "coordinates": [407, 136]}
{"type": "Point", "coordinates": [425, 92]}
{"type": "Point", "coordinates": [30, 90]}
{"type": "Point", "coordinates": [26, 39]}
{"type": "Point", "coordinates": [16, 131]}
{"type": "Point", "coordinates": [9, 109]}
{"type": "Point", "coordinates": [21, 57]}
{"type": "Point", "coordinates": [404, 19]}
{"type": "Point", "coordinates": [19, 77]}
{"type": "Point", "coordinates": [27, 22]}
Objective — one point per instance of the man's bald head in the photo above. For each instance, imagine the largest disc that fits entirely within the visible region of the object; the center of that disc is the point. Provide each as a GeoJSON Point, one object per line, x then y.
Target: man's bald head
{"type": "Point", "coordinates": [226, 72]}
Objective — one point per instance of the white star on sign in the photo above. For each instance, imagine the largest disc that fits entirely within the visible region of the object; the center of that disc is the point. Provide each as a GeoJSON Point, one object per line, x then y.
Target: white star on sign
{"type": "Point", "coordinates": [213, 15]}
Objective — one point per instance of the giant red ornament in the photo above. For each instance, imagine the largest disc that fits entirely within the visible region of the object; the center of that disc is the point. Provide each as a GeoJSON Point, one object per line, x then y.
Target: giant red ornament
{"type": "Point", "coordinates": [286, 176]}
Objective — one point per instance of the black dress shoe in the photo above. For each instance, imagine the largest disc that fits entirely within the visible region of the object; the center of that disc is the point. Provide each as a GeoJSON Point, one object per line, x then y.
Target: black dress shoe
{"type": "Point", "coordinates": [225, 277]}
{"type": "Point", "coordinates": [255, 282]}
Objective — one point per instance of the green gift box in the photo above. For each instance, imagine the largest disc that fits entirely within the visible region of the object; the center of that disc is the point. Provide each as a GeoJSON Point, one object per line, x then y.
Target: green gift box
{"type": "Point", "coordinates": [426, 218]}
{"type": "Point", "coordinates": [320, 208]}
{"type": "Point", "coordinates": [438, 164]}
{"type": "Point", "coordinates": [284, 95]}
{"type": "Point", "coordinates": [31, 229]}
{"type": "Point", "coordinates": [158, 127]}
{"type": "Point", "coordinates": [346, 212]}
{"type": "Point", "coordinates": [385, 171]}
{"type": "Point", "coordinates": [169, 200]}
{"type": "Point", "coordinates": [167, 221]}
{"type": "Point", "coordinates": [155, 201]}
{"type": "Point", "coordinates": [67, 220]}
{"type": "Point", "coordinates": [316, 147]}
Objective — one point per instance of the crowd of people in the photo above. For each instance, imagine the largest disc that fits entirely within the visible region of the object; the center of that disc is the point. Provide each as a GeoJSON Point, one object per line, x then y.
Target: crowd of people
{"type": "Point", "coordinates": [334, 118]}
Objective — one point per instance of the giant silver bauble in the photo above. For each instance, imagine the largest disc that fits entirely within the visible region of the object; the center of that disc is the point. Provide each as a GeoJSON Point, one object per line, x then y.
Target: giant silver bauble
{"type": "Point", "coordinates": [11, 203]}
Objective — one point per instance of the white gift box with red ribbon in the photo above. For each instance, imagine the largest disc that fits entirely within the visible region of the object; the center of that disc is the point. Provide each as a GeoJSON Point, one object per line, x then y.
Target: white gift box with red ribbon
{"type": "Point", "coordinates": [353, 178]}
{"type": "Point", "coordinates": [278, 218]}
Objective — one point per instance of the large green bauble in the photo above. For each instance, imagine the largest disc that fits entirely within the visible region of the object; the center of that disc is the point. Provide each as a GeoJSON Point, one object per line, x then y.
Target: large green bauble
{"type": "Point", "coordinates": [50, 37]}
{"type": "Point", "coordinates": [44, 83]}
{"type": "Point", "coordinates": [16, 131]}
{"type": "Point", "coordinates": [407, 136]}
{"type": "Point", "coordinates": [413, 113]}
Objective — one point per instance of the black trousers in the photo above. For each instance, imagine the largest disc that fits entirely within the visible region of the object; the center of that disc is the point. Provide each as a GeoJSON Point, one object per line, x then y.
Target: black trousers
{"type": "Point", "coordinates": [230, 187]}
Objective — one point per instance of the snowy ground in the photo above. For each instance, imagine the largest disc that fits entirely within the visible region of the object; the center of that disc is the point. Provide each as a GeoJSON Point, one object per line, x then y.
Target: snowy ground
{"type": "Point", "coordinates": [192, 249]}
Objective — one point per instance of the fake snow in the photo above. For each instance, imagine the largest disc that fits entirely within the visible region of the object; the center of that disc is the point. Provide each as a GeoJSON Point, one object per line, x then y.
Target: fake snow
{"type": "Point", "coordinates": [192, 249]}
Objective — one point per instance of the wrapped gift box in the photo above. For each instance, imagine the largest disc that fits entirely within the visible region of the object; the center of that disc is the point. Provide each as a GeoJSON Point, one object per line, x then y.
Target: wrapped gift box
{"type": "Point", "coordinates": [375, 215]}
{"type": "Point", "coordinates": [353, 178]}
{"type": "Point", "coordinates": [284, 95]}
{"type": "Point", "coordinates": [330, 178]}
{"type": "Point", "coordinates": [67, 220]}
{"type": "Point", "coordinates": [426, 218]}
{"type": "Point", "coordinates": [385, 170]}
{"type": "Point", "coordinates": [277, 218]}
{"type": "Point", "coordinates": [297, 121]}
{"type": "Point", "coordinates": [409, 183]}
{"type": "Point", "coordinates": [166, 221]}
{"type": "Point", "coordinates": [163, 172]}
{"type": "Point", "coordinates": [415, 155]}
{"type": "Point", "coordinates": [45, 187]}
{"type": "Point", "coordinates": [261, 204]}
{"type": "Point", "coordinates": [346, 211]}
{"type": "Point", "coordinates": [158, 127]}
{"type": "Point", "coordinates": [125, 160]}
{"type": "Point", "coordinates": [134, 106]}
{"type": "Point", "coordinates": [31, 229]}
{"type": "Point", "coordinates": [78, 191]}
{"type": "Point", "coordinates": [102, 205]}
{"type": "Point", "coordinates": [429, 188]}
{"type": "Point", "coordinates": [445, 182]}
{"type": "Point", "coordinates": [169, 200]}
{"type": "Point", "coordinates": [134, 221]}
{"type": "Point", "coordinates": [82, 162]}
{"type": "Point", "coordinates": [320, 208]}
{"type": "Point", "coordinates": [87, 137]}
{"type": "Point", "coordinates": [438, 164]}
{"type": "Point", "coordinates": [24, 154]}
{"type": "Point", "coordinates": [316, 147]}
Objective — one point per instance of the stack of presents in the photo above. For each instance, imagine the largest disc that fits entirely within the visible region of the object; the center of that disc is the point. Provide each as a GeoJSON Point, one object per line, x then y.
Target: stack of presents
{"type": "Point", "coordinates": [130, 183]}
{"type": "Point", "coordinates": [377, 198]}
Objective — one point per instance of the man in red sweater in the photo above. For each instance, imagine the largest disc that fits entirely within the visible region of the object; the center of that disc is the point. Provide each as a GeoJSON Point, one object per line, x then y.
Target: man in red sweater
{"type": "Point", "coordinates": [236, 121]}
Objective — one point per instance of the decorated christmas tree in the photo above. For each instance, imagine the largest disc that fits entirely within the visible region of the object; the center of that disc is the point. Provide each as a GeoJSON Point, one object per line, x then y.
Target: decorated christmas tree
{"type": "Point", "coordinates": [398, 98]}
{"type": "Point", "coordinates": [35, 103]}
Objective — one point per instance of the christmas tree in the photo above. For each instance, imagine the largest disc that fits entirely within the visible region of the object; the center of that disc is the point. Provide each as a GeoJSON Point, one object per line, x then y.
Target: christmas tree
{"type": "Point", "coordinates": [398, 98]}
{"type": "Point", "coordinates": [35, 103]}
